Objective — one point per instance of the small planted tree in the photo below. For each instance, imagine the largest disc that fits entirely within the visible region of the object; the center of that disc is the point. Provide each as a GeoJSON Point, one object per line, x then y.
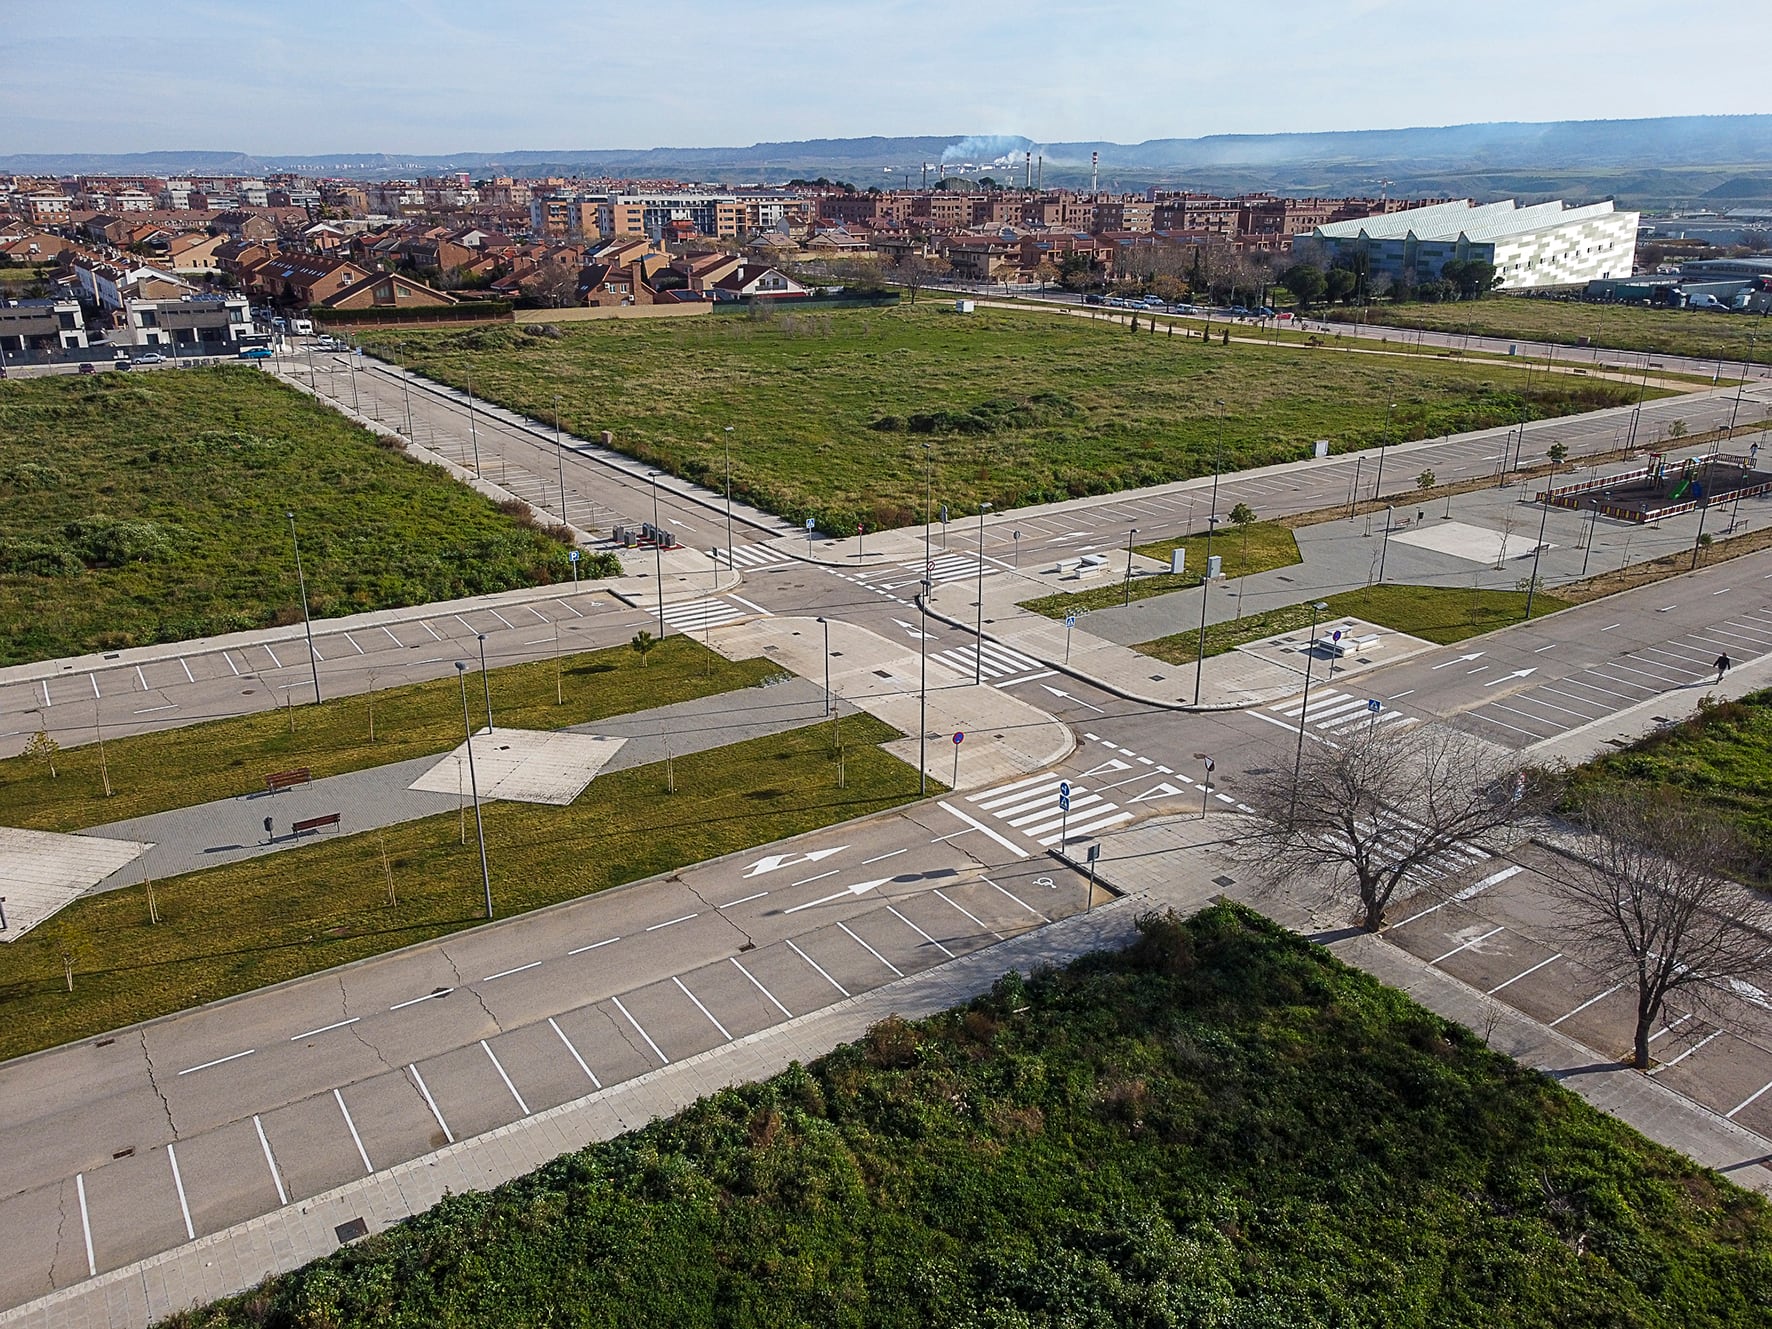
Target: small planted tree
{"type": "Point", "coordinates": [1557, 453]}
{"type": "Point", "coordinates": [1242, 517]}
{"type": "Point", "coordinates": [41, 749]}
{"type": "Point", "coordinates": [643, 644]}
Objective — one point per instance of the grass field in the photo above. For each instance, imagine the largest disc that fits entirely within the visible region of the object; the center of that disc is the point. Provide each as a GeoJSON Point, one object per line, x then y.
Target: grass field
{"type": "Point", "coordinates": [1259, 547]}
{"type": "Point", "coordinates": [1221, 1126]}
{"type": "Point", "coordinates": [1720, 758]}
{"type": "Point", "coordinates": [199, 763]}
{"type": "Point", "coordinates": [1442, 614]}
{"type": "Point", "coordinates": [239, 927]}
{"type": "Point", "coordinates": [146, 507]}
{"type": "Point", "coordinates": [1701, 333]}
{"type": "Point", "coordinates": [830, 412]}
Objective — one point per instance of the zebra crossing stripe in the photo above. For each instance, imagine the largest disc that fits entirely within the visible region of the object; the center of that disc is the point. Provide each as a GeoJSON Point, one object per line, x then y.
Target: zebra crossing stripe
{"type": "Point", "coordinates": [1087, 828]}
{"type": "Point", "coordinates": [1006, 788]}
{"type": "Point", "coordinates": [751, 556]}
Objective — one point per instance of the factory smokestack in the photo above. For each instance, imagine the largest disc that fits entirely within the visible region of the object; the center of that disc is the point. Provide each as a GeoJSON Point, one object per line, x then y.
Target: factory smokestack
{"type": "Point", "coordinates": [1040, 173]}
{"type": "Point", "coordinates": [1094, 172]}
{"type": "Point", "coordinates": [1027, 177]}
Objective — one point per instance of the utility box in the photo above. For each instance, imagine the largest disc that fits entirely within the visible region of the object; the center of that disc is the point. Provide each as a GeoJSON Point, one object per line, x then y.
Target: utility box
{"type": "Point", "coordinates": [964, 306]}
{"type": "Point", "coordinates": [1214, 568]}
{"type": "Point", "coordinates": [1322, 448]}
{"type": "Point", "coordinates": [1178, 560]}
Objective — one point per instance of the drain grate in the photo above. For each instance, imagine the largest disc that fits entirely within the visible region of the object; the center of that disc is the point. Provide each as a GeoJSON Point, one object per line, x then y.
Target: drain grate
{"type": "Point", "coordinates": [1224, 881]}
{"type": "Point", "coordinates": [351, 1231]}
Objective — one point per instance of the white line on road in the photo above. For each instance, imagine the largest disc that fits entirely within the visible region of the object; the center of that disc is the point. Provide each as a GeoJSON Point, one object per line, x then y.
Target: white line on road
{"type": "Point", "coordinates": [93, 679]}
{"type": "Point", "coordinates": [356, 1138]}
{"type": "Point", "coordinates": [141, 676]}
{"type": "Point", "coordinates": [501, 618]}
{"type": "Point", "coordinates": [786, 1013]}
{"type": "Point", "coordinates": [1517, 977]}
{"type": "Point", "coordinates": [643, 1034]}
{"type": "Point", "coordinates": [178, 1184]}
{"type": "Point", "coordinates": [429, 996]}
{"type": "Point", "coordinates": [607, 941]}
{"type": "Point", "coordinates": [1584, 1005]}
{"type": "Point", "coordinates": [187, 668]}
{"type": "Point", "coordinates": [747, 604]}
{"type": "Point", "coordinates": [1615, 625]}
{"type": "Point", "coordinates": [969, 914]}
{"type": "Point", "coordinates": [703, 1009]}
{"type": "Point", "coordinates": [524, 1107]}
{"type": "Point", "coordinates": [880, 858]}
{"type": "Point", "coordinates": [977, 825]}
{"type": "Point", "coordinates": [1669, 1028]}
{"type": "Point", "coordinates": [1405, 693]}
{"type": "Point", "coordinates": [820, 877]}
{"type": "Point", "coordinates": [897, 972]}
{"type": "Point", "coordinates": [670, 922]}
{"type": "Point", "coordinates": [228, 660]}
{"type": "Point", "coordinates": [743, 899]}
{"type": "Point", "coordinates": [919, 931]}
{"type": "Point", "coordinates": [1008, 895]}
{"type": "Point", "coordinates": [574, 1051]}
{"type": "Point", "coordinates": [274, 660]}
{"type": "Point", "coordinates": [815, 964]}
{"type": "Point", "coordinates": [45, 686]}
{"type": "Point", "coordinates": [1749, 1099]}
{"type": "Point", "coordinates": [270, 1161]}
{"type": "Point", "coordinates": [360, 651]}
{"type": "Point", "coordinates": [506, 973]}
{"type": "Point", "coordinates": [1474, 941]}
{"type": "Point", "coordinates": [391, 637]}
{"type": "Point", "coordinates": [428, 628]}
{"type": "Point", "coordinates": [232, 1056]}
{"type": "Point", "coordinates": [325, 1029]}
{"type": "Point", "coordinates": [1715, 1033]}
{"type": "Point", "coordinates": [85, 1223]}
{"type": "Point", "coordinates": [430, 1102]}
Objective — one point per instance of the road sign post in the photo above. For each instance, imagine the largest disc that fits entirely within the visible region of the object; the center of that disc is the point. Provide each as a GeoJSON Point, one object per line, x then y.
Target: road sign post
{"type": "Point", "coordinates": [1070, 621]}
{"type": "Point", "coordinates": [1064, 811]}
{"type": "Point", "coordinates": [1094, 853]}
{"type": "Point", "coordinates": [959, 738]}
{"type": "Point", "coordinates": [1206, 783]}
{"type": "Point", "coordinates": [574, 557]}
{"type": "Point", "coordinates": [1373, 707]}
{"type": "Point", "coordinates": [810, 523]}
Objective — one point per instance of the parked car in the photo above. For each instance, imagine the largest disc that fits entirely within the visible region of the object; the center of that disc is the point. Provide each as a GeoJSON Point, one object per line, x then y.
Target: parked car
{"type": "Point", "coordinates": [256, 353]}
{"type": "Point", "coordinates": [1239, 311]}
{"type": "Point", "coordinates": [1262, 311]}
{"type": "Point", "coordinates": [150, 358]}
{"type": "Point", "coordinates": [87, 367]}
{"type": "Point", "coordinates": [1094, 300]}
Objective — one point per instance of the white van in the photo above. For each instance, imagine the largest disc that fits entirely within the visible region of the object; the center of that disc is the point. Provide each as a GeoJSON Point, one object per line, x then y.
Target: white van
{"type": "Point", "coordinates": [302, 327]}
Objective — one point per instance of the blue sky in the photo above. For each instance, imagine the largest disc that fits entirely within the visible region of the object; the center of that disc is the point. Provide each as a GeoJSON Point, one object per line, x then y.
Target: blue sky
{"type": "Point", "coordinates": [434, 76]}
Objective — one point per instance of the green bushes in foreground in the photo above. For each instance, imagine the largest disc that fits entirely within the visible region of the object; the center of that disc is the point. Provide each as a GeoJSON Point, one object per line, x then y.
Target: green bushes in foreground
{"type": "Point", "coordinates": [1219, 1126]}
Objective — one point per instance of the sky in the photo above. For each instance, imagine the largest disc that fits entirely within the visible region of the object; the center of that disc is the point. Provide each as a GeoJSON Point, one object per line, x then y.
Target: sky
{"type": "Point", "coordinates": [440, 76]}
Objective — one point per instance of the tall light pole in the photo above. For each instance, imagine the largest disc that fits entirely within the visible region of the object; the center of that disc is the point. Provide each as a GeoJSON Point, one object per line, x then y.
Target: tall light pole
{"type": "Point", "coordinates": [1310, 655]}
{"type": "Point", "coordinates": [484, 682]}
{"type": "Point", "coordinates": [729, 496]}
{"type": "Point", "coordinates": [461, 676]}
{"type": "Point", "coordinates": [1130, 532]}
{"type": "Point", "coordinates": [1384, 545]}
{"type": "Point", "coordinates": [1538, 549]}
{"type": "Point", "coordinates": [923, 623]}
{"type": "Point", "coordinates": [406, 392]}
{"type": "Point", "coordinates": [306, 622]}
{"type": "Point", "coordinates": [978, 628]}
{"type": "Point", "coordinates": [473, 430]}
{"type": "Point", "coordinates": [657, 552]}
{"type": "Point", "coordinates": [830, 703]}
{"type": "Point", "coordinates": [1383, 443]}
{"type": "Point", "coordinates": [1205, 570]}
{"type": "Point", "coordinates": [560, 457]}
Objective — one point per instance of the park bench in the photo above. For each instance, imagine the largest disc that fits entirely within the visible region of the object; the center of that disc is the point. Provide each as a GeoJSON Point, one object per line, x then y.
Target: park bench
{"type": "Point", "coordinates": [278, 780]}
{"type": "Point", "coordinates": [315, 823]}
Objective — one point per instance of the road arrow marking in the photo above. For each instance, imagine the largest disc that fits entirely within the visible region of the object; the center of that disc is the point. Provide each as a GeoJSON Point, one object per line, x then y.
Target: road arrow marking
{"type": "Point", "coordinates": [848, 892]}
{"type": "Point", "coordinates": [1110, 765]}
{"type": "Point", "coordinates": [771, 862]}
{"type": "Point", "coordinates": [1460, 660]}
{"type": "Point", "coordinates": [1161, 790]}
{"type": "Point", "coordinates": [1067, 696]}
{"type": "Point", "coordinates": [1518, 673]}
{"type": "Point", "coordinates": [910, 628]}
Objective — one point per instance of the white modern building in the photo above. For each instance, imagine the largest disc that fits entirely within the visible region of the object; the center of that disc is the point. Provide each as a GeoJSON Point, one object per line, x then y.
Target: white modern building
{"type": "Point", "coordinates": [1542, 245]}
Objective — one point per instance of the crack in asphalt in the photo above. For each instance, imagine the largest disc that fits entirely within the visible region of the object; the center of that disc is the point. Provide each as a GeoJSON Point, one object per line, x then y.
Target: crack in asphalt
{"type": "Point", "coordinates": [61, 1224]}
{"type": "Point", "coordinates": [644, 1054]}
{"type": "Point", "coordinates": [154, 1084]}
{"type": "Point", "coordinates": [463, 986]}
{"type": "Point", "coordinates": [750, 942]}
{"type": "Point", "coordinates": [344, 999]}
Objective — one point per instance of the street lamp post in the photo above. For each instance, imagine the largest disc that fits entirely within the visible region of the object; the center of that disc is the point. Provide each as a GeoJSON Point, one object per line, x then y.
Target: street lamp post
{"type": "Point", "coordinates": [406, 392]}
{"type": "Point", "coordinates": [484, 682]}
{"type": "Point", "coordinates": [1538, 549]}
{"type": "Point", "coordinates": [1384, 547]}
{"type": "Point", "coordinates": [473, 429]}
{"type": "Point", "coordinates": [560, 457]}
{"type": "Point", "coordinates": [1310, 655]}
{"type": "Point", "coordinates": [306, 622]}
{"type": "Point", "coordinates": [1206, 569]}
{"type": "Point", "coordinates": [729, 496]}
{"type": "Point", "coordinates": [1130, 532]}
{"type": "Point", "coordinates": [461, 675]}
{"type": "Point", "coordinates": [1383, 443]}
{"type": "Point", "coordinates": [657, 552]}
{"type": "Point", "coordinates": [978, 629]}
{"type": "Point", "coordinates": [829, 701]}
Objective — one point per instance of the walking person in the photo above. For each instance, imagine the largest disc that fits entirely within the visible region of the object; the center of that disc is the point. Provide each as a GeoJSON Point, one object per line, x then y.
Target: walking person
{"type": "Point", "coordinates": [1722, 666]}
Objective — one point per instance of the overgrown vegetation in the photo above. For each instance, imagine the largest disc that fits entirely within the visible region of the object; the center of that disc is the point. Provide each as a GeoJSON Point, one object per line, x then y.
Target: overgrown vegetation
{"type": "Point", "coordinates": [1219, 1126]}
{"type": "Point", "coordinates": [239, 927]}
{"type": "Point", "coordinates": [832, 419]}
{"type": "Point", "coordinates": [139, 508]}
{"type": "Point", "coordinates": [199, 763]}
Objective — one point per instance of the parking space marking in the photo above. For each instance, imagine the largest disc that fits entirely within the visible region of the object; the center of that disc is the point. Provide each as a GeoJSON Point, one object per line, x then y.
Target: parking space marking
{"type": "Point", "coordinates": [1715, 1033]}
{"type": "Point", "coordinates": [1749, 1099]}
{"type": "Point", "coordinates": [1016, 899]}
{"type": "Point", "coordinates": [355, 1138]}
{"type": "Point", "coordinates": [93, 679]}
{"type": "Point", "coordinates": [1517, 977]}
{"type": "Point", "coordinates": [1474, 941]}
{"type": "Point", "coordinates": [428, 628]}
{"type": "Point", "coordinates": [521, 1105]}
{"type": "Point", "coordinates": [969, 914]}
{"type": "Point", "coordinates": [724, 1033]}
{"type": "Point", "coordinates": [141, 677]}
{"type": "Point", "coordinates": [268, 651]}
{"type": "Point", "coordinates": [419, 1080]}
{"type": "Point", "coordinates": [232, 1056]}
{"type": "Point", "coordinates": [178, 1184]}
{"type": "Point", "coordinates": [1584, 1005]}
{"type": "Point", "coordinates": [757, 983]}
{"type": "Point", "coordinates": [919, 931]}
{"type": "Point", "coordinates": [228, 660]}
{"type": "Point", "coordinates": [816, 965]}
{"type": "Point", "coordinates": [189, 678]}
{"type": "Point", "coordinates": [270, 1161]}
{"type": "Point", "coordinates": [643, 1034]}
{"type": "Point", "coordinates": [574, 1051]}
{"type": "Point", "coordinates": [877, 858]}
{"type": "Point", "coordinates": [85, 1223]}
{"type": "Point", "coordinates": [501, 618]}
{"type": "Point", "coordinates": [360, 651]}
{"type": "Point", "coordinates": [391, 637]}
{"type": "Point", "coordinates": [897, 972]}
{"type": "Point", "coordinates": [1670, 1027]}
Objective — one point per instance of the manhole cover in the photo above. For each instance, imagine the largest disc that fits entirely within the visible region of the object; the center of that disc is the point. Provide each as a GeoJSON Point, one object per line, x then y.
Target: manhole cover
{"type": "Point", "coordinates": [1224, 881]}
{"type": "Point", "coordinates": [351, 1231]}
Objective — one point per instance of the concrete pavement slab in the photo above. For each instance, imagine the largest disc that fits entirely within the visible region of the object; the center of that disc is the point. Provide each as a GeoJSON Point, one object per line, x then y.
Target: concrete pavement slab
{"type": "Point", "coordinates": [42, 872]}
{"type": "Point", "coordinates": [523, 765]}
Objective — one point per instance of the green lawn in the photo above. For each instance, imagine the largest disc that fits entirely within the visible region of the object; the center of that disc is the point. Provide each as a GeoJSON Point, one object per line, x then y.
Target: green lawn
{"type": "Point", "coordinates": [1258, 547]}
{"type": "Point", "coordinates": [137, 508]}
{"type": "Point", "coordinates": [830, 412]}
{"type": "Point", "coordinates": [1442, 614]}
{"type": "Point", "coordinates": [1221, 1126]}
{"type": "Point", "coordinates": [224, 758]}
{"type": "Point", "coordinates": [240, 927]}
{"type": "Point", "coordinates": [1703, 333]}
{"type": "Point", "coordinates": [1721, 758]}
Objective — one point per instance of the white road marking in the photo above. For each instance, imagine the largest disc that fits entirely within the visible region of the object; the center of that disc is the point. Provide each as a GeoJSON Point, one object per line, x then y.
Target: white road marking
{"type": "Point", "coordinates": [754, 608]}
{"type": "Point", "coordinates": [45, 686]}
{"type": "Point", "coordinates": [1715, 1033]}
{"type": "Point", "coordinates": [356, 1138]}
{"type": "Point", "coordinates": [816, 965]}
{"type": "Point", "coordinates": [1016, 899]}
{"type": "Point", "coordinates": [143, 677]}
{"type": "Point", "coordinates": [808, 880]}
{"type": "Point", "coordinates": [969, 914]}
{"type": "Point", "coordinates": [430, 1102]}
{"type": "Point", "coordinates": [1584, 1005]}
{"type": "Point", "coordinates": [228, 660]}
{"type": "Point", "coordinates": [178, 1184]}
{"type": "Point", "coordinates": [506, 973]}
{"type": "Point", "coordinates": [608, 941]}
{"type": "Point", "coordinates": [270, 1162]}
{"type": "Point", "coordinates": [93, 679]}
{"type": "Point", "coordinates": [919, 931]}
{"type": "Point", "coordinates": [85, 1223]}
{"type": "Point", "coordinates": [977, 825]}
{"type": "Point", "coordinates": [524, 1107]}
{"type": "Point", "coordinates": [187, 668]}
{"type": "Point", "coordinates": [428, 628]}
{"type": "Point", "coordinates": [1474, 941]}
{"type": "Point", "coordinates": [1669, 1028]}
{"type": "Point", "coordinates": [325, 1029]}
{"type": "Point", "coordinates": [574, 1051]}
{"type": "Point", "coordinates": [1517, 977]}
{"type": "Point", "coordinates": [897, 972]}
{"type": "Point", "coordinates": [360, 651]}
{"type": "Point", "coordinates": [724, 1033]}
{"type": "Point", "coordinates": [501, 618]}
{"type": "Point", "coordinates": [391, 637]}
{"type": "Point", "coordinates": [274, 660]}
{"type": "Point", "coordinates": [232, 1056]}
{"type": "Point", "coordinates": [743, 899]}
{"type": "Point", "coordinates": [878, 858]}
{"type": "Point", "coordinates": [643, 1034]}
{"type": "Point", "coordinates": [671, 922]}
{"type": "Point", "coordinates": [786, 1013]}
{"type": "Point", "coordinates": [429, 996]}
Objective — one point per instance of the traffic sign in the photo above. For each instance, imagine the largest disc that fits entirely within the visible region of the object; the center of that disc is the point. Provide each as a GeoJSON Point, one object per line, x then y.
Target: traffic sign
{"type": "Point", "coordinates": [573, 556]}
{"type": "Point", "coordinates": [1064, 802]}
{"type": "Point", "coordinates": [1211, 765]}
{"type": "Point", "coordinates": [1070, 620]}
{"type": "Point", "coordinates": [959, 737]}
{"type": "Point", "coordinates": [1374, 705]}
{"type": "Point", "coordinates": [1064, 788]}
{"type": "Point", "coordinates": [810, 523]}
{"type": "Point", "coordinates": [1336, 635]}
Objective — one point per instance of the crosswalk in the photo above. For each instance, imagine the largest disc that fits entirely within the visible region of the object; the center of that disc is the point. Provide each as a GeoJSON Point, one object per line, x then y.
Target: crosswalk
{"type": "Point", "coordinates": [1031, 807]}
{"type": "Point", "coordinates": [1331, 713]}
{"type": "Point", "coordinates": [997, 663]}
{"type": "Point", "coordinates": [752, 556]}
{"type": "Point", "coordinates": [709, 612]}
{"type": "Point", "coordinates": [943, 568]}
{"type": "Point", "coordinates": [1397, 837]}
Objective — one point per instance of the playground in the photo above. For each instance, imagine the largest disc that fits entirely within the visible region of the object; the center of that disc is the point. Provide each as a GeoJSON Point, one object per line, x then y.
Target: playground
{"type": "Point", "coordinates": [1666, 487]}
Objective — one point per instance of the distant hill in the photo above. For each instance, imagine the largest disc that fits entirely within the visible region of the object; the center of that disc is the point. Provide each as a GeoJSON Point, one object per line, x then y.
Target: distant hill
{"type": "Point", "coordinates": [1641, 161]}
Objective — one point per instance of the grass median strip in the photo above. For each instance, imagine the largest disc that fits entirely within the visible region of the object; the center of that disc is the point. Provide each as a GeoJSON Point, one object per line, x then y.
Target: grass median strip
{"type": "Point", "coordinates": [224, 758]}
{"type": "Point", "coordinates": [235, 928]}
{"type": "Point", "coordinates": [1259, 547]}
{"type": "Point", "coordinates": [1442, 614]}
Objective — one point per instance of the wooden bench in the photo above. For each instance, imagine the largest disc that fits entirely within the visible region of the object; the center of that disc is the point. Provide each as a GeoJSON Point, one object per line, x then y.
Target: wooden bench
{"type": "Point", "coordinates": [277, 780]}
{"type": "Point", "coordinates": [315, 823]}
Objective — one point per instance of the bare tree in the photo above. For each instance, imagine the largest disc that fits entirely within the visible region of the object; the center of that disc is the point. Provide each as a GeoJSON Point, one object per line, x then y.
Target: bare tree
{"type": "Point", "coordinates": [1648, 902]}
{"type": "Point", "coordinates": [552, 285]}
{"type": "Point", "coordinates": [914, 271]}
{"type": "Point", "coordinates": [1369, 812]}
